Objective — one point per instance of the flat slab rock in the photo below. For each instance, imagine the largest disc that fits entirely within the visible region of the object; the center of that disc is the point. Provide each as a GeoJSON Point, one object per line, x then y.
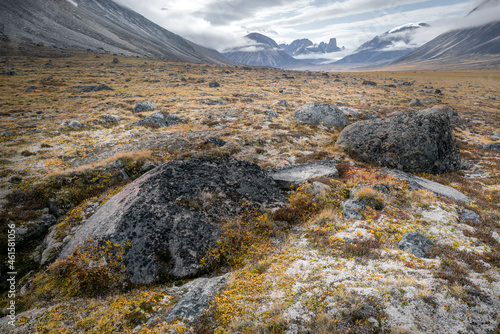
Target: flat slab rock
{"type": "Point", "coordinates": [172, 214]}
{"type": "Point", "coordinates": [297, 175]}
{"type": "Point", "coordinates": [417, 183]}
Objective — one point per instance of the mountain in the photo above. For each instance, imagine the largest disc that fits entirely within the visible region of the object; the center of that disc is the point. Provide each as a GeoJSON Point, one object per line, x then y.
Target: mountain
{"type": "Point", "coordinates": [101, 26]}
{"type": "Point", "coordinates": [300, 47]}
{"type": "Point", "coordinates": [385, 48]}
{"type": "Point", "coordinates": [468, 47]}
{"type": "Point", "coordinates": [260, 50]}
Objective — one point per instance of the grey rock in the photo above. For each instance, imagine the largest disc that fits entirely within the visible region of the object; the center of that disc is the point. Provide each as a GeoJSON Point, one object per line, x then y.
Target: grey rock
{"type": "Point", "coordinates": [416, 103]}
{"type": "Point", "coordinates": [34, 230]}
{"type": "Point", "coordinates": [147, 167]}
{"type": "Point", "coordinates": [168, 222]}
{"type": "Point", "coordinates": [467, 215]}
{"type": "Point", "coordinates": [419, 141]}
{"type": "Point", "coordinates": [369, 83]}
{"type": "Point", "coordinates": [371, 115]}
{"type": "Point", "coordinates": [350, 111]}
{"type": "Point", "coordinates": [431, 91]}
{"type": "Point", "coordinates": [110, 118]}
{"type": "Point", "coordinates": [115, 61]}
{"type": "Point", "coordinates": [30, 89]}
{"type": "Point", "coordinates": [145, 106]}
{"type": "Point", "coordinates": [74, 124]}
{"type": "Point", "coordinates": [317, 188]}
{"type": "Point", "coordinates": [453, 116]}
{"type": "Point", "coordinates": [215, 142]}
{"type": "Point", "coordinates": [297, 175]}
{"type": "Point", "coordinates": [415, 243]}
{"type": "Point", "coordinates": [417, 183]}
{"type": "Point", "coordinates": [159, 119]}
{"type": "Point", "coordinates": [321, 113]}
{"type": "Point", "coordinates": [200, 293]}
{"type": "Point", "coordinates": [351, 209]}
{"type": "Point", "coordinates": [283, 103]}
{"type": "Point", "coordinates": [491, 147]}
{"type": "Point", "coordinates": [271, 113]}
{"type": "Point", "coordinates": [214, 85]}
{"type": "Point", "coordinates": [8, 134]}
{"type": "Point", "coordinates": [89, 89]}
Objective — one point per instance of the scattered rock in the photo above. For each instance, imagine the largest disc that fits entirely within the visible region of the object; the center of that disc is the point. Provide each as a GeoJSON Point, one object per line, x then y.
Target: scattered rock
{"type": "Point", "coordinates": [430, 91]}
{"type": "Point", "coordinates": [110, 118]}
{"type": "Point", "coordinates": [415, 142]}
{"type": "Point", "coordinates": [417, 183]}
{"type": "Point", "coordinates": [297, 175]}
{"type": "Point", "coordinates": [371, 115]}
{"type": "Point", "coordinates": [283, 103]}
{"type": "Point", "coordinates": [8, 134]}
{"type": "Point", "coordinates": [9, 73]}
{"type": "Point", "coordinates": [350, 111]}
{"type": "Point", "coordinates": [415, 243]}
{"type": "Point", "coordinates": [271, 113]}
{"type": "Point", "coordinates": [201, 292]}
{"type": "Point", "coordinates": [321, 113]}
{"type": "Point", "coordinates": [453, 116]}
{"type": "Point", "coordinates": [214, 85]}
{"type": "Point", "coordinates": [369, 83]}
{"type": "Point", "coordinates": [159, 119]}
{"type": "Point", "coordinates": [467, 215]}
{"type": "Point", "coordinates": [147, 167]}
{"type": "Point", "coordinates": [491, 147]}
{"type": "Point", "coordinates": [172, 214]}
{"type": "Point", "coordinates": [30, 89]}
{"type": "Point", "coordinates": [72, 124]}
{"type": "Point", "coordinates": [317, 188]}
{"type": "Point", "coordinates": [215, 141]}
{"type": "Point", "coordinates": [416, 103]}
{"type": "Point", "coordinates": [88, 89]}
{"type": "Point", "coordinates": [115, 61]}
{"type": "Point", "coordinates": [144, 106]}
{"type": "Point", "coordinates": [351, 209]}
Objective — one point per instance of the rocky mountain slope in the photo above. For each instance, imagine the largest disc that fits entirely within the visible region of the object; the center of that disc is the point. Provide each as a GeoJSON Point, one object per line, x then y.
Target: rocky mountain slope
{"type": "Point", "coordinates": [304, 47]}
{"type": "Point", "coordinates": [261, 51]}
{"type": "Point", "coordinates": [385, 48]}
{"type": "Point", "coordinates": [472, 46]}
{"type": "Point", "coordinates": [259, 201]}
{"type": "Point", "coordinates": [101, 26]}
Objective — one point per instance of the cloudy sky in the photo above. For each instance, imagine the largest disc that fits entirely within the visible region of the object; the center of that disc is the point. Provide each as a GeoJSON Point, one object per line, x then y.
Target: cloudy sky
{"type": "Point", "coordinates": [220, 24]}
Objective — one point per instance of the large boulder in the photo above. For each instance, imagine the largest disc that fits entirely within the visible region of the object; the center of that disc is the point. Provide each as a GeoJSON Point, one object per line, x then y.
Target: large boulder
{"type": "Point", "coordinates": [420, 141]}
{"type": "Point", "coordinates": [321, 113]}
{"type": "Point", "coordinates": [172, 214]}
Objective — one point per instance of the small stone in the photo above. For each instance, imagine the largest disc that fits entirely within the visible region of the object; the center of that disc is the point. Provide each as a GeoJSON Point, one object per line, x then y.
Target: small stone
{"type": "Point", "coordinates": [351, 209]}
{"type": "Point", "coordinates": [416, 103]}
{"type": "Point", "coordinates": [214, 85]}
{"type": "Point", "coordinates": [144, 106]}
{"type": "Point", "coordinates": [271, 113]}
{"type": "Point", "coordinates": [215, 142]}
{"type": "Point", "coordinates": [415, 243]}
{"type": "Point", "coordinates": [369, 83]}
{"type": "Point", "coordinates": [467, 215]}
{"type": "Point", "coordinates": [74, 124]}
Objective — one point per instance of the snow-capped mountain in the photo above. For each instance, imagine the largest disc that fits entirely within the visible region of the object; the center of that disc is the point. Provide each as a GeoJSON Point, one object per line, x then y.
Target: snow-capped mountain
{"type": "Point", "coordinates": [385, 48]}
{"type": "Point", "coordinates": [304, 47]}
{"type": "Point", "coordinates": [101, 26]}
{"type": "Point", "coordinates": [260, 50]}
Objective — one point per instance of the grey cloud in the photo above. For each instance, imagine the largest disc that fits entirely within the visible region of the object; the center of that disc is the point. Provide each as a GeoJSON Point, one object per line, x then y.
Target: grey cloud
{"type": "Point", "coordinates": [227, 11]}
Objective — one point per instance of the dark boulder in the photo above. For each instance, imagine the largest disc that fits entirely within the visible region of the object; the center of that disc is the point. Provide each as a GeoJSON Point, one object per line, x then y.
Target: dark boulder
{"type": "Point", "coordinates": [159, 119]}
{"type": "Point", "coordinates": [369, 83]}
{"type": "Point", "coordinates": [215, 142]}
{"type": "Point", "coordinates": [214, 84]}
{"type": "Point", "coordinates": [415, 243]}
{"type": "Point", "coordinates": [420, 141]}
{"type": "Point", "coordinates": [172, 215]}
{"type": "Point", "coordinates": [321, 113]}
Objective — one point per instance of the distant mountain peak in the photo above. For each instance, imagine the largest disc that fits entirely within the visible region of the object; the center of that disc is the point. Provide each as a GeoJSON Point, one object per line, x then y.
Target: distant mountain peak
{"type": "Point", "coordinates": [408, 26]}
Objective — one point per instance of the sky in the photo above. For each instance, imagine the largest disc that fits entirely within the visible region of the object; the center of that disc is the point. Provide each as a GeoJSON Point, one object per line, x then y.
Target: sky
{"type": "Point", "coordinates": [221, 24]}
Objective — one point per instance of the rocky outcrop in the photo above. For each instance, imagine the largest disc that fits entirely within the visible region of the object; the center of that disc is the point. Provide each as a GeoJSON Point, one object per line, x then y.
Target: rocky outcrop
{"type": "Point", "coordinates": [172, 214]}
{"type": "Point", "coordinates": [321, 113]}
{"type": "Point", "coordinates": [145, 106]}
{"type": "Point", "coordinates": [420, 141]}
{"type": "Point", "coordinates": [297, 175]}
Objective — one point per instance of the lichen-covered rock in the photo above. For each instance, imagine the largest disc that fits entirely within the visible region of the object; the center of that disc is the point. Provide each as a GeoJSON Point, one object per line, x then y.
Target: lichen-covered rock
{"type": "Point", "coordinates": [172, 215]}
{"type": "Point", "coordinates": [200, 293]}
{"type": "Point", "coordinates": [420, 141]}
{"type": "Point", "coordinates": [144, 106]}
{"type": "Point", "coordinates": [297, 175]}
{"type": "Point", "coordinates": [321, 113]}
{"type": "Point", "coordinates": [159, 119]}
{"type": "Point", "coordinates": [415, 243]}
{"type": "Point", "coordinates": [351, 209]}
